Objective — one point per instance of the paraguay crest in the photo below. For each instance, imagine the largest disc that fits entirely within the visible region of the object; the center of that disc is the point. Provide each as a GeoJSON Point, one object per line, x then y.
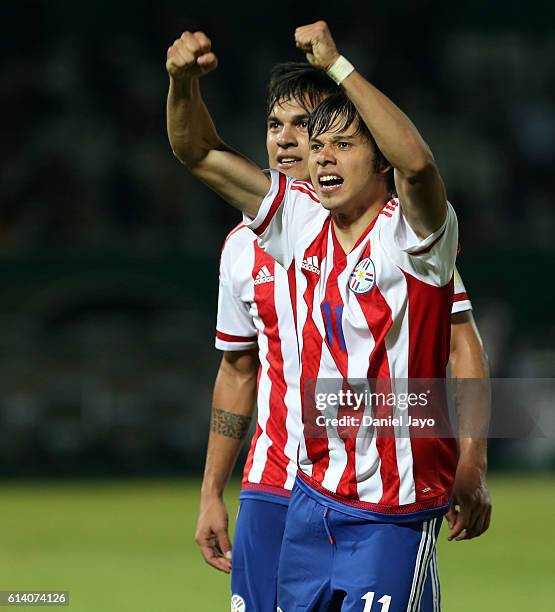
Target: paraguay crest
{"type": "Point", "coordinates": [363, 277]}
{"type": "Point", "coordinates": [237, 603]}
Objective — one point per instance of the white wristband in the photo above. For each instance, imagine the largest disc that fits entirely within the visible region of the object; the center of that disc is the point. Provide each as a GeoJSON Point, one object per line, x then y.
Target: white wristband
{"type": "Point", "coordinates": [340, 70]}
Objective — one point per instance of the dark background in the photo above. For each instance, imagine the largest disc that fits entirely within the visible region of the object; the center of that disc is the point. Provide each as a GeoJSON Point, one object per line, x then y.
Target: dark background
{"type": "Point", "coordinates": [109, 250]}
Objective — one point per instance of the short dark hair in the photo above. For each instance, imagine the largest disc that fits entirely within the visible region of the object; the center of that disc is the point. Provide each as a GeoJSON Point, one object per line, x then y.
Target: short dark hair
{"type": "Point", "coordinates": [338, 113]}
{"type": "Point", "coordinates": [300, 82]}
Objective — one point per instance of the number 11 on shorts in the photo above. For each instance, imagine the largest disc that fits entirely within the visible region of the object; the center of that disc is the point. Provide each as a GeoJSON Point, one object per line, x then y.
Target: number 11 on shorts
{"type": "Point", "coordinates": [369, 597]}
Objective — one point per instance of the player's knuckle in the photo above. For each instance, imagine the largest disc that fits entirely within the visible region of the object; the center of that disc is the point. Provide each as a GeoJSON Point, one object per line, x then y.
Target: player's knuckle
{"type": "Point", "coordinates": [190, 42]}
{"type": "Point", "coordinates": [201, 37]}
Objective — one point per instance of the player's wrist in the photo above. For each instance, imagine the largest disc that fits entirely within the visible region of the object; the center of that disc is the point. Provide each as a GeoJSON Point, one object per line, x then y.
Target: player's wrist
{"type": "Point", "coordinates": [475, 461]}
{"type": "Point", "coordinates": [212, 491]}
{"type": "Point", "coordinates": [182, 82]}
{"type": "Point", "coordinates": [473, 452]}
{"type": "Point", "coordinates": [340, 69]}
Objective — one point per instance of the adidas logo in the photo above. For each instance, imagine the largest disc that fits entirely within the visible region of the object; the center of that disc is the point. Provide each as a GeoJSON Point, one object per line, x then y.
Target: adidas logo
{"type": "Point", "coordinates": [263, 276]}
{"type": "Point", "coordinates": [311, 264]}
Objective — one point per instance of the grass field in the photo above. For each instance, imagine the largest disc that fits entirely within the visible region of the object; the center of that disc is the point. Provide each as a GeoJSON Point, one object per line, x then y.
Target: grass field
{"type": "Point", "coordinates": [128, 547]}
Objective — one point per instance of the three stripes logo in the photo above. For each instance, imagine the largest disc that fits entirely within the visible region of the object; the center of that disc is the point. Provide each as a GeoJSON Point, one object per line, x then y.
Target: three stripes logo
{"type": "Point", "coordinates": [425, 556]}
{"type": "Point", "coordinates": [311, 264]}
{"type": "Point", "coordinates": [263, 276]}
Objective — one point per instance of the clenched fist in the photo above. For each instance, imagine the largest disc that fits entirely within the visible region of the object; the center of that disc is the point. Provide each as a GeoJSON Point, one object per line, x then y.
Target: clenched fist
{"type": "Point", "coordinates": [190, 56]}
{"type": "Point", "coordinates": [316, 41]}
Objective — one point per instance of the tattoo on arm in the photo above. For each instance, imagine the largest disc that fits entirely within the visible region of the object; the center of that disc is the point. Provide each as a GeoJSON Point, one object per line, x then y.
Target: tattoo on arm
{"type": "Point", "coordinates": [229, 424]}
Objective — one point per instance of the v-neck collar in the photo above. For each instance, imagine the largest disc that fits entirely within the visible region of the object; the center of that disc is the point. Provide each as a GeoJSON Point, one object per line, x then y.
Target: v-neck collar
{"type": "Point", "coordinates": [337, 244]}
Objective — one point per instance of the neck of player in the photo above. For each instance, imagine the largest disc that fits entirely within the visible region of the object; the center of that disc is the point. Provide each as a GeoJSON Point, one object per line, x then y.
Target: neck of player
{"type": "Point", "coordinates": [349, 225]}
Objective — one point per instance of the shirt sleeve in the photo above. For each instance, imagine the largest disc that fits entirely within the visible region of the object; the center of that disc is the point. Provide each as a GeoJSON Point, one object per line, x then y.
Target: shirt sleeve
{"type": "Point", "coordinates": [235, 328]}
{"type": "Point", "coordinates": [289, 207]}
{"type": "Point", "coordinates": [431, 260]}
{"type": "Point", "coordinates": [461, 301]}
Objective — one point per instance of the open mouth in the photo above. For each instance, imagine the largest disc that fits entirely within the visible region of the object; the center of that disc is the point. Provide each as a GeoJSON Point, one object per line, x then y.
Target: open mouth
{"type": "Point", "coordinates": [285, 162]}
{"type": "Point", "coordinates": [330, 182]}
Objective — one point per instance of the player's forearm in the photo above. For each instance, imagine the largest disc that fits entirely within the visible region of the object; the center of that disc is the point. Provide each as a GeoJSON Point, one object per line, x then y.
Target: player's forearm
{"type": "Point", "coordinates": [225, 442]}
{"type": "Point", "coordinates": [394, 133]}
{"type": "Point", "coordinates": [473, 400]}
{"type": "Point", "coordinates": [193, 136]}
{"type": "Point", "coordinates": [233, 406]}
{"type": "Point", "coordinates": [467, 355]}
{"type": "Point", "coordinates": [195, 142]}
{"type": "Point", "coordinates": [470, 371]}
{"type": "Point", "coordinates": [418, 182]}
{"type": "Point", "coordinates": [191, 132]}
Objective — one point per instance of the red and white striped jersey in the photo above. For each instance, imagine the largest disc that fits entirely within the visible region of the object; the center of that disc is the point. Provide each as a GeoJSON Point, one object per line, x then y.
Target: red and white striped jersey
{"type": "Point", "coordinates": [461, 301]}
{"type": "Point", "coordinates": [254, 309]}
{"type": "Point", "coordinates": [381, 311]}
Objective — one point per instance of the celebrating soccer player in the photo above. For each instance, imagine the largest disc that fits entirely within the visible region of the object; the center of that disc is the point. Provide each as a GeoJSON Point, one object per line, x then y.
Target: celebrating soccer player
{"type": "Point", "coordinates": [373, 296]}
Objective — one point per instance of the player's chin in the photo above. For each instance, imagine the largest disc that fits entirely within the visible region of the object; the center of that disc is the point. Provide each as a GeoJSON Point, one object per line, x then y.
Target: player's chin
{"type": "Point", "coordinates": [331, 202]}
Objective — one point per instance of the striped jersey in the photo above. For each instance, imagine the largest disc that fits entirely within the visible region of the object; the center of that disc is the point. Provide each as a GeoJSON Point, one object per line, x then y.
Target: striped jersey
{"type": "Point", "coordinates": [461, 301]}
{"type": "Point", "coordinates": [381, 311]}
{"type": "Point", "coordinates": [255, 310]}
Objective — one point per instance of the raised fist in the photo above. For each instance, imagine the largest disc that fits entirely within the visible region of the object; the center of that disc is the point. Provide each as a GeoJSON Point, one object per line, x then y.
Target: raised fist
{"type": "Point", "coordinates": [316, 41]}
{"type": "Point", "coordinates": [190, 56]}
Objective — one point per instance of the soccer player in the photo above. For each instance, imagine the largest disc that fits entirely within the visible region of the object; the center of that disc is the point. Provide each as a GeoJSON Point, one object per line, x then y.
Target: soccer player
{"type": "Point", "coordinates": [358, 222]}
{"type": "Point", "coordinates": [255, 312]}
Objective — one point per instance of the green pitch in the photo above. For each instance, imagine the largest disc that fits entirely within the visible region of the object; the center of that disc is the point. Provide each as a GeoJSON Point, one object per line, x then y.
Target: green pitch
{"type": "Point", "coordinates": [128, 547]}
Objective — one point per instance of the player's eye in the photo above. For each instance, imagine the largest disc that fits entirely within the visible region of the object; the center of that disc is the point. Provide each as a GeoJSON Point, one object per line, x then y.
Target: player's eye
{"type": "Point", "coordinates": [315, 147]}
{"type": "Point", "coordinates": [273, 125]}
{"type": "Point", "coordinates": [303, 124]}
{"type": "Point", "coordinates": [343, 145]}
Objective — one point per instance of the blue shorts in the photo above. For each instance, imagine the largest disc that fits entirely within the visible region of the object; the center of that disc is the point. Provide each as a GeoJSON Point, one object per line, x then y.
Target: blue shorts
{"type": "Point", "coordinates": [256, 549]}
{"type": "Point", "coordinates": [335, 561]}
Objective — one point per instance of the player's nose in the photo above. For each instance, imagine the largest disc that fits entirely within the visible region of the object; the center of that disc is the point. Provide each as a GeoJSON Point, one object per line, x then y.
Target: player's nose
{"type": "Point", "coordinates": [325, 155]}
{"type": "Point", "coordinates": [286, 137]}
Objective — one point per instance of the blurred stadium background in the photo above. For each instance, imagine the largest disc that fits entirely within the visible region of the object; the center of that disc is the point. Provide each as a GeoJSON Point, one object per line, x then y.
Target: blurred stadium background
{"type": "Point", "coordinates": [109, 254]}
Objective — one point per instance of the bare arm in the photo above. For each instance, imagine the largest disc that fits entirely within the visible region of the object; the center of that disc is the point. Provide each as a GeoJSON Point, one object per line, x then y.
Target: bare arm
{"type": "Point", "coordinates": [234, 389]}
{"type": "Point", "coordinates": [417, 179]}
{"type": "Point", "coordinates": [469, 365]}
{"type": "Point", "coordinates": [193, 136]}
